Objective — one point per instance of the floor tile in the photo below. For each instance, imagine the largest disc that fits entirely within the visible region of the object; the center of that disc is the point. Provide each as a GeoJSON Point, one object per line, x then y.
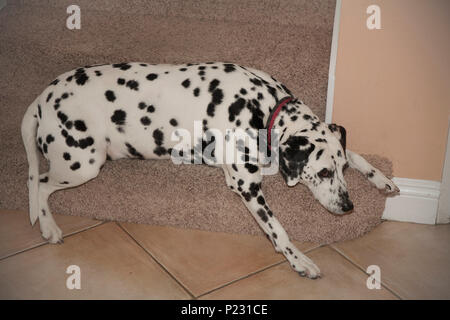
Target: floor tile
{"type": "Point", "coordinates": [16, 233]}
{"type": "Point", "coordinates": [340, 280]}
{"type": "Point", "coordinates": [203, 261]}
{"type": "Point", "coordinates": [414, 259]}
{"type": "Point", "coordinates": [112, 266]}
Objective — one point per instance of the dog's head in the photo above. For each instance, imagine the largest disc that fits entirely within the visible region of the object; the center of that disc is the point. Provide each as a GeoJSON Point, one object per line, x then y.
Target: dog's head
{"type": "Point", "coordinates": [316, 157]}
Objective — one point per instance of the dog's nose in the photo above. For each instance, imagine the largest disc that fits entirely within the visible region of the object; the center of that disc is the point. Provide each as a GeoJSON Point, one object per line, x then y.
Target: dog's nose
{"type": "Point", "coordinates": [348, 206]}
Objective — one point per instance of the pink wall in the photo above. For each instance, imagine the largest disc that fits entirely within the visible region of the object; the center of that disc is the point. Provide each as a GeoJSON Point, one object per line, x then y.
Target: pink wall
{"type": "Point", "coordinates": [392, 90]}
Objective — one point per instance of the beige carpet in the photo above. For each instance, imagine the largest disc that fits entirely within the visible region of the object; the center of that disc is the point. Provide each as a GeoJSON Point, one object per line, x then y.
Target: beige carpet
{"type": "Point", "coordinates": [288, 38]}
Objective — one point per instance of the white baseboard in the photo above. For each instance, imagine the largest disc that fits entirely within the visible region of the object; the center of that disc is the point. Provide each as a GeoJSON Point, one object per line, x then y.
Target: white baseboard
{"type": "Point", "coordinates": [417, 202]}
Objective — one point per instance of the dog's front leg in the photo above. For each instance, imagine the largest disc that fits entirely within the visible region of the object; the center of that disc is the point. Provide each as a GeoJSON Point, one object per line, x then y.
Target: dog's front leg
{"type": "Point", "coordinates": [372, 174]}
{"type": "Point", "coordinates": [247, 183]}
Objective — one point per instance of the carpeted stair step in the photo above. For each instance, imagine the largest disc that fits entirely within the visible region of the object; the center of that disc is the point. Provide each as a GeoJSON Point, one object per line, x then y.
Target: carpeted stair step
{"type": "Point", "coordinates": [289, 39]}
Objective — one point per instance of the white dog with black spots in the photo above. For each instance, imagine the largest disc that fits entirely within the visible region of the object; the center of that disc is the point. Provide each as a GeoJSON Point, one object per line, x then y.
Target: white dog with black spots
{"type": "Point", "coordinates": [131, 110]}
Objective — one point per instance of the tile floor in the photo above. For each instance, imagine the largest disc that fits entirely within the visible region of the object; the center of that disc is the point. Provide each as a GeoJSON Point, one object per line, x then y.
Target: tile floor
{"type": "Point", "coordinates": [129, 261]}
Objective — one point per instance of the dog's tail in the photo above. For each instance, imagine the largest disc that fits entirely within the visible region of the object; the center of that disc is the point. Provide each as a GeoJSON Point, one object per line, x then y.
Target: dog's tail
{"type": "Point", "coordinates": [29, 131]}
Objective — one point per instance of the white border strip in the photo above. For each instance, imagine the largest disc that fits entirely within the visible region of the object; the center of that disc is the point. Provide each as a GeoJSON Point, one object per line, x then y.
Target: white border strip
{"type": "Point", "coordinates": [443, 215]}
{"type": "Point", "coordinates": [417, 201]}
{"type": "Point", "coordinates": [333, 56]}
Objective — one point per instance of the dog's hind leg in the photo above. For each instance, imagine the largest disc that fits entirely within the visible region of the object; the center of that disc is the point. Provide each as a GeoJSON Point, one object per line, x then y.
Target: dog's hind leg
{"type": "Point", "coordinates": [63, 175]}
{"type": "Point", "coordinates": [246, 181]}
{"type": "Point", "coordinates": [371, 173]}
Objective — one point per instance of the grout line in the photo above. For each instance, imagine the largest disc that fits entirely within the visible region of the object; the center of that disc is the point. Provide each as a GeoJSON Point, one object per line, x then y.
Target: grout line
{"type": "Point", "coordinates": [243, 277]}
{"type": "Point", "coordinates": [159, 264]}
{"type": "Point", "coordinates": [364, 271]}
{"type": "Point", "coordinates": [46, 242]}
{"type": "Point", "coordinates": [256, 272]}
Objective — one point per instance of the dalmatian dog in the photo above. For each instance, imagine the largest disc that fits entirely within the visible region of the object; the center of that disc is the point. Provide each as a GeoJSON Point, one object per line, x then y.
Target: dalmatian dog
{"type": "Point", "coordinates": [134, 110]}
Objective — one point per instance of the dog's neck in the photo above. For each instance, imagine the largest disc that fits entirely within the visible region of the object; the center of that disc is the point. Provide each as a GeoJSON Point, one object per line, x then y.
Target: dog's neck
{"type": "Point", "coordinates": [295, 117]}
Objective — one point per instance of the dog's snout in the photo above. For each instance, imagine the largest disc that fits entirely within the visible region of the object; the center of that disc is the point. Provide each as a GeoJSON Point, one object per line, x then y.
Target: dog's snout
{"type": "Point", "coordinates": [348, 206]}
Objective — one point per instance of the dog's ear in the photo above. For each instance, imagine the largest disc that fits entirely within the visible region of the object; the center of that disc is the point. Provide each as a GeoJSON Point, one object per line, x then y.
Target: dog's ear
{"type": "Point", "coordinates": [294, 154]}
{"type": "Point", "coordinates": [340, 133]}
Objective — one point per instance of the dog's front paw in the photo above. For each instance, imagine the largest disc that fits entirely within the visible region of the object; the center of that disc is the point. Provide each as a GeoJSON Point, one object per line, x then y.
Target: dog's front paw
{"type": "Point", "coordinates": [50, 231]}
{"type": "Point", "coordinates": [307, 270]}
{"type": "Point", "coordinates": [302, 264]}
{"type": "Point", "coordinates": [382, 182]}
{"type": "Point", "coordinates": [390, 187]}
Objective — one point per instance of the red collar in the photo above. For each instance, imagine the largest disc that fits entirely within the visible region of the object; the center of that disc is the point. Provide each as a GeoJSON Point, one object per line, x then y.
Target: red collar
{"type": "Point", "coordinates": [273, 115]}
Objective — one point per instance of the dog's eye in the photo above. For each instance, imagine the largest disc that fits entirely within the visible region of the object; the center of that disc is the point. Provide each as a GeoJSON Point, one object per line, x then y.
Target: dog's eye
{"type": "Point", "coordinates": [325, 173]}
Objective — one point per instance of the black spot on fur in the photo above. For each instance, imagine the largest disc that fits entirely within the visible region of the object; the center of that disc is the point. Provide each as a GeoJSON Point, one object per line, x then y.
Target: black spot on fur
{"type": "Point", "coordinates": [110, 96]}
{"type": "Point", "coordinates": [211, 109]}
{"type": "Point", "coordinates": [152, 76]}
{"type": "Point", "coordinates": [119, 117]}
{"type": "Point", "coordinates": [75, 166]}
{"type": "Point", "coordinates": [217, 96]}
{"type": "Point", "coordinates": [235, 109]}
{"type": "Point", "coordinates": [158, 135]}
{"type": "Point", "coordinates": [145, 121]}
{"type": "Point", "coordinates": [229, 67]}
{"type": "Point", "coordinates": [186, 83]}
{"type": "Point", "coordinates": [257, 120]}
{"type": "Point", "coordinates": [81, 76]}
{"type": "Point", "coordinates": [121, 81]}
{"type": "Point", "coordinates": [122, 66]}
{"type": "Point", "coordinates": [256, 82]}
{"type": "Point", "coordinates": [251, 168]}
{"type": "Point", "coordinates": [213, 85]}
{"type": "Point", "coordinates": [66, 156]}
{"type": "Point", "coordinates": [80, 125]}
{"type": "Point", "coordinates": [159, 151]}
{"type": "Point", "coordinates": [133, 151]}
{"type": "Point", "coordinates": [262, 214]}
{"type": "Point", "coordinates": [133, 85]}
{"type": "Point", "coordinates": [62, 116]}
{"type": "Point", "coordinates": [319, 153]}
{"type": "Point", "coordinates": [49, 96]}
{"type": "Point", "coordinates": [44, 180]}
{"type": "Point", "coordinates": [49, 139]}
{"type": "Point", "coordinates": [254, 189]}
{"type": "Point", "coordinates": [86, 142]}
{"type": "Point", "coordinates": [173, 122]}
{"type": "Point", "coordinates": [261, 200]}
